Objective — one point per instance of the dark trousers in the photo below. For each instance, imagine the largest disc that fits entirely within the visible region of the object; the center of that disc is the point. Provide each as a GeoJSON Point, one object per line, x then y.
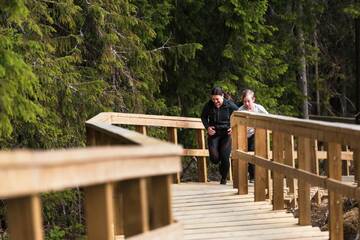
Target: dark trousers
{"type": "Point", "coordinates": [219, 151]}
{"type": "Point", "coordinates": [251, 148]}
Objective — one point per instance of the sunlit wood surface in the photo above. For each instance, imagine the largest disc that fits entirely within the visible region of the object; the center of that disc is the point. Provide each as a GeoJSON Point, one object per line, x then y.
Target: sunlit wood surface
{"type": "Point", "coordinates": [214, 211]}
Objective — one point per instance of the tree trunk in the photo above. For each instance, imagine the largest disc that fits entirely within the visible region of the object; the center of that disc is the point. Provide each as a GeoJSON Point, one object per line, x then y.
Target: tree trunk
{"type": "Point", "coordinates": [357, 66]}
{"type": "Point", "coordinates": [316, 77]}
{"type": "Point", "coordinates": [302, 70]}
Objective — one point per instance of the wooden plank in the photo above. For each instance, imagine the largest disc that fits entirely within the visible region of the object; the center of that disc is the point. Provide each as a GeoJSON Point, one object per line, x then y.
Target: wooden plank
{"type": "Point", "coordinates": [278, 178]}
{"type": "Point", "coordinates": [289, 159]}
{"type": "Point", "coordinates": [312, 179]}
{"type": "Point", "coordinates": [170, 232]}
{"type": "Point", "coordinates": [315, 166]}
{"type": "Point", "coordinates": [268, 172]}
{"type": "Point", "coordinates": [118, 210]}
{"type": "Point", "coordinates": [99, 210]}
{"type": "Point", "coordinates": [103, 117]}
{"type": "Point", "coordinates": [122, 135]}
{"type": "Point", "coordinates": [313, 156]}
{"type": "Point", "coordinates": [260, 172]}
{"type": "Point", "coordinates": [141, 129]}
{"type": "Point", "coordinates": [32, 172]}
{"type": "Point", "coordinates": [345, 134]}
{"type": "Point", "coordinates": [136, 213]}
{"type": "Point", "coordinates": [24, 216]}
{"type": "Point", "coordinates": [161, 201]}
{"type": "Point", "coordinates": [356, 150]}
{"type": "Point", "coordinates": [304, 161]}
{"type": "Point", "coordinates": [196, 152]}
{"type": "Point", "coordinates": [242, 165]}
{"type": "Point", "coordinates": [90, 137]}
{"type": "Point", "coordinates": [156, 120]}
{"type": "Point", "coordinates": [173, 138]}
{"type": "Point", "coordinates": [335, 200]}
{"type": "Point", "coordinates": [234, 159]}
{"type": "Point", "coordinates": [201, 162]}
{"type": "Point", "coordinates": [237, 221]}
{"type": "Point", "coordinates": [345, 156]}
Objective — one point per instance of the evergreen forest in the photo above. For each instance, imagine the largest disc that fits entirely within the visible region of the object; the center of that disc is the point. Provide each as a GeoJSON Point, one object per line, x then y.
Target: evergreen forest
{"type": "Point", "coordinates": [64, 61]}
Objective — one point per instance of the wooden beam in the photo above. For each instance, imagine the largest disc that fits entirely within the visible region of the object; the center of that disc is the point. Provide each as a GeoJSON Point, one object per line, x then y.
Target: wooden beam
{"type": "Point", "coordinates": [173, 232]}
{"type": "Point", "coordinates": [345, 134]}
{"type": "Point", "coordinates": [141, 129]}
{"type": "Point", "coordinates": [201, 162]}
{"type": "Point", "coordinates": [156, 120]}
{"type": "Point", "coordinates": [278, 178]}
{"type": "Point", "coordinates": [118, 210]}
{"type": "Point", "coordinates": [335, 200]}
{"type": "Point", "coordinates": [315, 165]}
{"type": "Point", "coordinates": [260, 172]}
{"type": "Point", "coordinates": [234, 157]}
{"type": "Point", "coordinates": [24, 216]}
{"type": "Point", "coordinates": [161, 201]}
{"type": "Point", "coordinates": [99, 210]}
{"type": "Point", "coordinates": [32, 172]}
{"type": "Point", "coordinates": [136, 213]}
{"type": "Point", "coordinates": [304, 161]}
{"type": "Point", "coordinates": [242, 165]}
{"type": "Point", "coordinates": [173, 138]}
{"type": "Point", "coordinates": [90, 137]}
{"type": "Point", "coordinates": [289, 159]}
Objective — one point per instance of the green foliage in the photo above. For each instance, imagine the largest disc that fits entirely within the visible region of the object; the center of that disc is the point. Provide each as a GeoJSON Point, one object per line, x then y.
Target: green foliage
{"type": "Point", "coordinates": [63, 215]}
{"type": "Point", "coordinates": [62, 62]}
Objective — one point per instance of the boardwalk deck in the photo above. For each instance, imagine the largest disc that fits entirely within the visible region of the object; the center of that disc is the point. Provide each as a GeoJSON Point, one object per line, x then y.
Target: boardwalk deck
{"type": "Point", "coordinates": [214, 211]}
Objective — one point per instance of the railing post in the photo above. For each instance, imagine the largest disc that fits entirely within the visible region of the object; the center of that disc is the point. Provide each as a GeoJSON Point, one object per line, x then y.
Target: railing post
{"type": "Point", "coordinates": [173, 138]}
{"type": "Point", "coordinates": [90, 137]}
{"type": "Point", "coordinates": [304, 160]}
{"type": "Point", "coordinates": [315, 165]}
{"type": "Point", "coordinates": [141, 129]}
{"type": "Point", "coordinates": [160, 201]}
{"type": "Point", "coordinates": [260, 172]}
{"type": "Point", "coordinates": [356, 162]}
{"type": "Point", "coordinates": [268, 172]}
{"type": "Point", "coordinates": [99, 209]}
{"type": "Point", "coordinates": [234, 158]}
{"type": "Point", "coordinates": [335, 200]}
{"type": "Point", "coordinates": [242, 174]}
{"type": "Point", "coordinates": [347, 162]}
{"type": "Point", "coordinates": [118, 211]}
{"type": "Point", "coordinates": [136, 212]}
{"type": "Point", "coordinates": [278, 178]}
{"type": "Point", "coordinates": [201, 162]}
{"type": "Point", "coordinates": [24, 217]}
{"type": "Point", "coordinates": [290, 161]}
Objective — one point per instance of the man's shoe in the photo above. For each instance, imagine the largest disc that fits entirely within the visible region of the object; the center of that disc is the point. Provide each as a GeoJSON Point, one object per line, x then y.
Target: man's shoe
{"type": "Point", "coordinates": [223, 181]}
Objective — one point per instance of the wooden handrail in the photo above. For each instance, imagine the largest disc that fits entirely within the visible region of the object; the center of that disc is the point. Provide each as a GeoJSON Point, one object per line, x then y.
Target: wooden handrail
{"type": "Point", "coordinates": [307, 133]}
{"type": "Point", "coordinates": [137, 173]}
{"type": "Point", "coordinates": [350, 120]}
{"type": "Point", "coordinates": [172, 123]}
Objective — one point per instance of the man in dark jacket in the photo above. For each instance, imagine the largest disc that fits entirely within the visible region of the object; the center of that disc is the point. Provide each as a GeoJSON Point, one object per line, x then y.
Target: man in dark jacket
{"type": "Point", "coordinates": [216, 119]}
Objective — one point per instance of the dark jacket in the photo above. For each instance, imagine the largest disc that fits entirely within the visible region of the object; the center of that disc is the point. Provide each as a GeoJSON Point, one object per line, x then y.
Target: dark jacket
{"type": "Point", "coordinates": [218, 117]}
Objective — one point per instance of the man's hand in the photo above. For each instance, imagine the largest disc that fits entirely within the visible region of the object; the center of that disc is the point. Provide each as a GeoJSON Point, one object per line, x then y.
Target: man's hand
{"type": "Point", "coordinates": [229, 131]}
{"type": "Point", "coordinates": [211, 130]}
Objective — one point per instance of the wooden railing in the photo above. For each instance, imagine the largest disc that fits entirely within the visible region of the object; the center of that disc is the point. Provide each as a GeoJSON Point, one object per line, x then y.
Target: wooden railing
{"type": "Point", "coordinates": [142, 122]}
{"type": "Point", "coordinates": [305, 133]}
{"type": "Point", "coordinates": [126, 188]}
{"type": "Point", "coordinates": [350, 120]}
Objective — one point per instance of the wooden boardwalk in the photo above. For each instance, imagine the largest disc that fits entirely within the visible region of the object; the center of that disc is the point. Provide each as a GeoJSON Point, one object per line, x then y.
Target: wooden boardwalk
{"type": "Point", "coordinates": [214, 211]}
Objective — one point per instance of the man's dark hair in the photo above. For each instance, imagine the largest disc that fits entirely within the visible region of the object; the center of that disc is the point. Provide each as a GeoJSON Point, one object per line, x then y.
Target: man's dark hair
{"type": "Point", "coordinates": [217, 91]}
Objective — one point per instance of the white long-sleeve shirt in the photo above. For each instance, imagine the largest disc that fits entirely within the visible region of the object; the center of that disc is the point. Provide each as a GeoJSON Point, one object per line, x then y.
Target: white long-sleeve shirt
{"type": "Point", "coordinates": [257, 109]}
